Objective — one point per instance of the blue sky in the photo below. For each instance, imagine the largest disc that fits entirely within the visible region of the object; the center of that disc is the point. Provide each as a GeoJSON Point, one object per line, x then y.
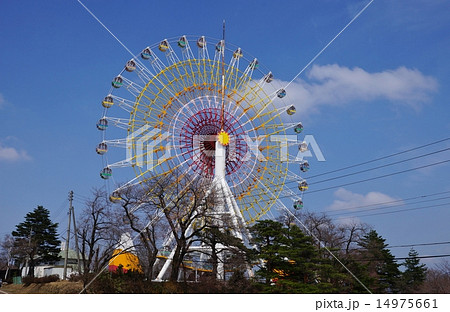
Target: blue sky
{"type": "Point", "coordinates": [382, 87]}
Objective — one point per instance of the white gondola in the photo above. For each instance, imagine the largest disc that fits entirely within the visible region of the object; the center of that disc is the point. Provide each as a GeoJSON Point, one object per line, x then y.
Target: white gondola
{"type": "Point", "coordinates": [303, 147]}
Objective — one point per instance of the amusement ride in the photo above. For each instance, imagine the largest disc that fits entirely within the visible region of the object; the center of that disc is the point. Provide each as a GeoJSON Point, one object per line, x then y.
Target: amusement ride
{"type": "Point", "coordinates": [203, 108]}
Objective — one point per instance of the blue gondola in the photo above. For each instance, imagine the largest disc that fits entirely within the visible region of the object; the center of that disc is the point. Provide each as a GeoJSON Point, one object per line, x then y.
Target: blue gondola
{"type": "Point", "coordinates": [298, 128]}
{"type": "Point", "coordinates": [146, 53]}
{"type": "Point", "coordinates": [281, 93]}
{"type": "Point", "coordinates": [102, 124]}
{"type": "Point", "coordinates": [304, 166]}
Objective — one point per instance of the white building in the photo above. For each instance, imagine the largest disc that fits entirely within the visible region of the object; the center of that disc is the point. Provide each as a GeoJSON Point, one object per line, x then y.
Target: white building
{"type": "Point", "coordinates": [57, 268]}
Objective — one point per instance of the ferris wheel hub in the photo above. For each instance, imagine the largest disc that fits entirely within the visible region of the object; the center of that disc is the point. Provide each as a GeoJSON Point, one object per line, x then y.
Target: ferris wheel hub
{"type": "Point", "coordinates": [223, 138]}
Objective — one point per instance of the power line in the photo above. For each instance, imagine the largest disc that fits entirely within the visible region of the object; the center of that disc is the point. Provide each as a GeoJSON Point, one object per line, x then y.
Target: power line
{"type": "Point", "coordinates": [402, 258]}
{"type": "Point", "coordinates": [379, 177]}
{"type": "Point", "coordinates": [403, 210]}
{"type": "Point", "coordinates": [392, 201]}
{"type": "Point", "coordinates": [329, 43]}
{"type": "Point", "coordinates": [416, 157]}
{"type": "Point", "coordinates": [380, 158]}
{"type": "Point", "coordinates": [405, 246]}
{"type": "Point", "coordinates": [417, 245]}
{"type": "Point", "coordinates": [423, 257]}
{"type": "Point", "coordinates": [386, 207]}
{"type": "Point", "coordinates": [357, 182]}
{"type": "Point", "coordinates": [382, 166]}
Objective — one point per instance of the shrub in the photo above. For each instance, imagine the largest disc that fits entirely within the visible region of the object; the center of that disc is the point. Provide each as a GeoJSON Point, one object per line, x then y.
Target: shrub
{"type": "Point", "coordinates": [39, 280]}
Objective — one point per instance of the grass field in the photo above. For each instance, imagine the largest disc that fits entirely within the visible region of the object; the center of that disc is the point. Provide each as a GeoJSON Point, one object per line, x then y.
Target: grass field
{"type": "Point", "coordinates": [61, 287]}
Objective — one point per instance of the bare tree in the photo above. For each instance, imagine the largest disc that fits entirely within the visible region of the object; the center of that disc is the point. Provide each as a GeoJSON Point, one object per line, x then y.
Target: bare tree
{"type": "Point", "coordinates": [437, 280]}
{"type": "Point", "coordinates": [171, 215]}
{"type": "Point", "coordinates": [185, 202]}
{"type": "Point", "coordinates": [6, 251]}
{"type": "Point", "coordinates": [97, 233]}
{"type": "Point", "coordinates": [335, 236]}
{"type": "Point", "coordinates": [353, 231]}
{"type": "Point", "coordinates": [140, 216]}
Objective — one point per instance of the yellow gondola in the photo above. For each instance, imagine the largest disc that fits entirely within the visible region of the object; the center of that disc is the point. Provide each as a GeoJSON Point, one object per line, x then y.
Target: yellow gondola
{"type": "Point", "coordinates": [163, 46]}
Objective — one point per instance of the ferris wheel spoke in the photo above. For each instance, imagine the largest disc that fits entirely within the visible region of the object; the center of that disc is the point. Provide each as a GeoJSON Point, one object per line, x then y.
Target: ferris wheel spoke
{"type": "Point", "coordinates": [143, 73]}
{"type": "Point", "coordinates": [232, 72]}
{"type": "Point", "coordinates": [251, 101]}
{"type": "Point", "coordinates": [170, 54]}
{"type": "Point", "coordinates": [153, 59]}
{"type": "Point", "coordinates": [185, 47]}
{"type": "Point", "coordinates": [118, 122]}
{"type": "Point", "coordinates": [132, 87]}
{"type": "Point", "coordinates": [247, 74]}
{"type": "Point", "coordinates": [125, 104]}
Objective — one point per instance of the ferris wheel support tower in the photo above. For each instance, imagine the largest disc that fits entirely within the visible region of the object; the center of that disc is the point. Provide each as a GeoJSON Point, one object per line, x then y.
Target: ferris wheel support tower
{"type": "Point", "coordinates": [226, 206]}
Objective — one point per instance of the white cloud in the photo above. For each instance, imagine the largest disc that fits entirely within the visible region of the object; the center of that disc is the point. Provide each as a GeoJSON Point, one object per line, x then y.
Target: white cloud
{"type": "Point", "coordinates": [348, 221]}
{"type": "Point", "coordinates": [348, 201]}
{"type": "Point", "coordinates": [338, 85]}
{"type": "Point", "coordinates": [11, 154]}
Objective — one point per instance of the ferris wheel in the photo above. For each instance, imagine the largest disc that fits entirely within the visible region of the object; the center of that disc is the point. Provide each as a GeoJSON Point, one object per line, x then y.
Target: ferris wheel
{"type": "Point", "coordinates": [203, 108]}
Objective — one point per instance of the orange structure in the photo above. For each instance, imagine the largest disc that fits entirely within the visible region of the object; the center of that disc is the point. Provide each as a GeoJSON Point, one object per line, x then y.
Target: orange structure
{"type": "Point", "coordinates": [125, 256]}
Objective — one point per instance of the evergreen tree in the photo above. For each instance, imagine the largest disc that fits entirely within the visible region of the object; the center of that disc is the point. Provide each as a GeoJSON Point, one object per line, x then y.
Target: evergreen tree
{"type": "Point", "coordinates": [267, 236]}
{"type": "Point", "coordinates": [380, 263]}
{"type": "Point", "coordinates": [290, 262]}
{"type": "Point", "coordinates": [36, 238]}
{"type": "Point", "coordinates": [414, 274]}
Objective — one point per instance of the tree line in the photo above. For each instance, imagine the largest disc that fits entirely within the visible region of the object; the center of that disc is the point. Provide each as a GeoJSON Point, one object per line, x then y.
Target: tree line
{"type": "Point", "coordinates": [300, 252]}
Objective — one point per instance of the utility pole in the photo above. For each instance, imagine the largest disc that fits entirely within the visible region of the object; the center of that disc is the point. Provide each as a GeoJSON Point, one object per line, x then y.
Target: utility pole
{"type": "Point", "coordinates": [76, 238]}
{"type": "Point", "coordinates": [29, 245]}
{"type": "Point", "coordinates": [8, 263]}
{"type": "Point", "coordinates": [66, 254]}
